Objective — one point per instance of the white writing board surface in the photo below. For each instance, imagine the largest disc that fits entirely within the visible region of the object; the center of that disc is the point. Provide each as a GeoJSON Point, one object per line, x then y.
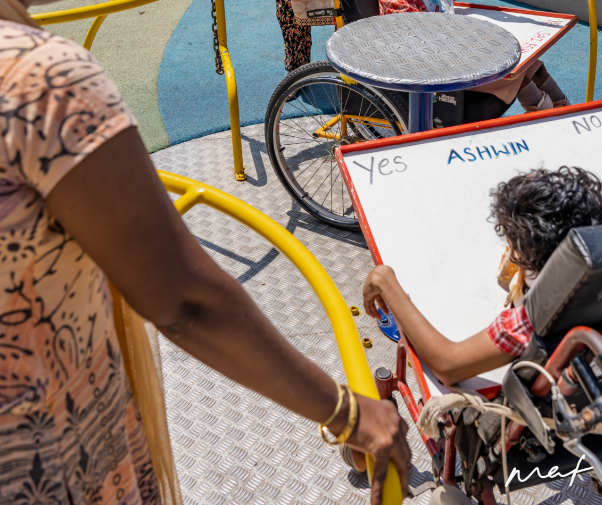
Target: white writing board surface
{"type": "Point", "coordinates": [535, 32]}
{"type": "Point", "coordinates": [427, 206]}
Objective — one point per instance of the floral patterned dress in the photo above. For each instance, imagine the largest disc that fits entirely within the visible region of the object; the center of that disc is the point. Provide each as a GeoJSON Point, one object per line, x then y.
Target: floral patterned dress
{"type": "Point", "coordinates": [296, 34]}
{"type": "Point", "coordinates": [69, 428]}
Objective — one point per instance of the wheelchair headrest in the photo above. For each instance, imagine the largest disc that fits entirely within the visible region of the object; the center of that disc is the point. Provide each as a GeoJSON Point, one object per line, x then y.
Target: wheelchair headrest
{"type": "Point", "coordinates": [568, 290]}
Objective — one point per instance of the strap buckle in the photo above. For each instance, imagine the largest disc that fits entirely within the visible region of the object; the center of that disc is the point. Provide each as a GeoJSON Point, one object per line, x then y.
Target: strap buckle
{"type": "Point", "coordinates": [324, 13]}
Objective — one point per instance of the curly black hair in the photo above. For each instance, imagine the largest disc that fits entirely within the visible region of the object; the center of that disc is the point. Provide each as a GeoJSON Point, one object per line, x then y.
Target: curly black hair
{"type": "Point", "coordinates": [535, 211]}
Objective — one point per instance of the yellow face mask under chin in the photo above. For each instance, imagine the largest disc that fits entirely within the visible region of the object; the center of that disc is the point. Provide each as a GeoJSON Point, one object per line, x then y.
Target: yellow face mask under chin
{"type": "Point", "coordinates": [511, 278]}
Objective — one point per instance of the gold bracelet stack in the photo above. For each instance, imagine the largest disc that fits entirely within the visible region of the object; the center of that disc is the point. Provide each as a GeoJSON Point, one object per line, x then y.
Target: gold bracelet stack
{"type": "Point", "coordinates": [337, 409]}
{"type": "Point", "coordinates": [351, 420]}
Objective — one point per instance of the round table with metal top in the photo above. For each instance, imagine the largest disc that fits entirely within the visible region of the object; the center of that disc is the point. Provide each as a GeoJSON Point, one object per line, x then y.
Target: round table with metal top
{"type": "Point", "coordinates": [423, 53]}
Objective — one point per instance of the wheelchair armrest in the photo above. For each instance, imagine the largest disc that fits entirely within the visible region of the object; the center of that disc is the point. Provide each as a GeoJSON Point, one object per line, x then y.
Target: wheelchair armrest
{"type": "Point", "coordinates": [571, 344]}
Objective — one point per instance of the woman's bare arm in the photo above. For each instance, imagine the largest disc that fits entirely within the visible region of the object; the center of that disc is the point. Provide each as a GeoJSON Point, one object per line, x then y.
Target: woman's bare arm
{"type": "Point", "coordinates": [116, 208]}
{"type": "Point", "coordinates": [450, 361]}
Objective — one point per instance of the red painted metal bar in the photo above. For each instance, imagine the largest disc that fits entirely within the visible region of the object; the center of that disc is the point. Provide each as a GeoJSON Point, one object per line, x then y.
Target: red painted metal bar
{"type": "Point", "coordinates": [571, 344]}
{"type": "Point", "coordinates": [408, 398]}
{"type": "Point", "coordinates": [449, 458]}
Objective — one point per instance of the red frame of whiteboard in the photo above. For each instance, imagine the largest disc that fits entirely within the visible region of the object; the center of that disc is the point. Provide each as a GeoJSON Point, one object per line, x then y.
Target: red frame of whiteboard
{"type": "Point", "coordinates": [549, 43]}
{"type": "Point", "coordinates": [418, 137]}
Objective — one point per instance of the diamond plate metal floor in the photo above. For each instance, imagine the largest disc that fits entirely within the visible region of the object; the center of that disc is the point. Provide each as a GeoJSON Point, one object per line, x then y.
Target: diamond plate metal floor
{"type": "Point", "coordinates": [231, 445]}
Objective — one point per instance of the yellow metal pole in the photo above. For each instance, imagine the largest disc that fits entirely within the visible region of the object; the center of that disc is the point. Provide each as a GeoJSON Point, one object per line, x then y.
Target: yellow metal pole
{"type": "Point", "coordinates": [220, 14]}
{"type": "Point", "coordinates": [93, 31]}
{"type": "Point", "coordinates": [593, 50]}
{"type": "Point", "coordinates": [338, 20]}
{"type": "Point", "coordinates": [354, 360]}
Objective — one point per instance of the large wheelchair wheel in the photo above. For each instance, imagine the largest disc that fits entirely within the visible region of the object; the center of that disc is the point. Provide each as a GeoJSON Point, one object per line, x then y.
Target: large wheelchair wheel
{"type": "Point", "coordinates": [310, 114]}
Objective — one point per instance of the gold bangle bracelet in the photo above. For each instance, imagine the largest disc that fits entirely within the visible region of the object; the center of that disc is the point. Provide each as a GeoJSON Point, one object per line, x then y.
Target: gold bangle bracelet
{"type": "Point", "coordinates": [337, 409]}
{"type": "Point", "coordinates": [351, 422]}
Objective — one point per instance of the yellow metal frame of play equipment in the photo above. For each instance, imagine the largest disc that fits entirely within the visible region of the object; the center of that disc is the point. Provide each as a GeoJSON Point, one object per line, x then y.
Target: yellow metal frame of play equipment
{"type": "Point", "coordinates": [348, 339]}
{"type": "Point", "coordinates": [593, 50]}
{"type": "Point", "coordinates": [325, 133]}
{"type": "Point", "coordinates": [220, 14]}
{"type": "Point", "coordinates": [99, 12]}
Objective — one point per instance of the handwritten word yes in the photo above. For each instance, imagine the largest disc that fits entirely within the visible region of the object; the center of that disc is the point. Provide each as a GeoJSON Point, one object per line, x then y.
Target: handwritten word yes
{"type": "Point", "coordinates": [383, 166]}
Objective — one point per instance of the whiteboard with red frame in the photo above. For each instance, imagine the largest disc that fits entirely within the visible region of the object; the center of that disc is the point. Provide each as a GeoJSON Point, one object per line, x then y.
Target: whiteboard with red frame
{"type": "Point", "coordinates": [423, 202]}
{"type": "Point", "coordinates": [536, 31]}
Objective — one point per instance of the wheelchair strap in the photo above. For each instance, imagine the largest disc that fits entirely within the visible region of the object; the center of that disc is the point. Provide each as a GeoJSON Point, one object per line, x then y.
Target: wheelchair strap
{"type": "Point", "coordinates": [459, 398]}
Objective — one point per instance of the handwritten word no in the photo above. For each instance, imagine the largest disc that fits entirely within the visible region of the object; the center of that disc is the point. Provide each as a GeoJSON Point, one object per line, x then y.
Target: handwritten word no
{"type": "Point", "coordinates": [593, 120]}
{"type": "Point", "coordinates": [383, 166]}
{"type": "Point", "coordinates": [516, 147]}
{"type": "Point", "coordinates": [552, 474]}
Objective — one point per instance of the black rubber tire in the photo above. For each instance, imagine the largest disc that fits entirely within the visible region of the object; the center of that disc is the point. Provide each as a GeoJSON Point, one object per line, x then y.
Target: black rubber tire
{"type": "Point", "coordinates": [393, 104]}
{"type": "Point", "coordinates": [304, 72]}
{"type": "Point", "coordinates": [396, 101]}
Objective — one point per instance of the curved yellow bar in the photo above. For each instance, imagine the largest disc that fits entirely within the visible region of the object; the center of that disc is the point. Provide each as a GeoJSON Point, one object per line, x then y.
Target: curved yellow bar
{"type": "Point", "coordinates": [593, 50]}
{"type": "Point", "coordinates": [93, 31]}
{"type": "Point", "coordinates": [98, 11]}
{"type": "Point", "coordinates": [348, 340]}
{"type": "Point", "coordinates": [89, 11]}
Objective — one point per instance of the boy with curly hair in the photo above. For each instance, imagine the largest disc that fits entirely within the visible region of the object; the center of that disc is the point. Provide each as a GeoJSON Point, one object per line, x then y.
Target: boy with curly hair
{"type": "Point", "coordinates": [534, 213]}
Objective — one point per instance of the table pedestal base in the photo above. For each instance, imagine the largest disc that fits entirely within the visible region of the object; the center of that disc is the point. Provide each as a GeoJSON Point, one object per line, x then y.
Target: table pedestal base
{"type": "Point", "coordinates": [421, 112]}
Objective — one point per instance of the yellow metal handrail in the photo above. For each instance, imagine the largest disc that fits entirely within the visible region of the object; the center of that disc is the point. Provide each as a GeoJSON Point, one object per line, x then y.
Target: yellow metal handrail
{"type": "Point", "coordinates": [593, 50]}
{"type": "Point", "coordinates": [222, 37]}
{"type": "Point", "coordinates": [98, 11]}
{"type": "Point", "coordinates": [348, 340]}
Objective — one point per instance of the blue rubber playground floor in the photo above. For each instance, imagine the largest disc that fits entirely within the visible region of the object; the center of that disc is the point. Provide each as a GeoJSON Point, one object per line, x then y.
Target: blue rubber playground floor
{"type": "Point", "coordinates": [193, 99]}
{"type": "Point", "coordinates": [162, 59]}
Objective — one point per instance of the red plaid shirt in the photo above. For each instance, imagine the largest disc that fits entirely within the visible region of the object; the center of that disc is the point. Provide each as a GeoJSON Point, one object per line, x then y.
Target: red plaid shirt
{"type": "Point", "coordinates": [511, 331]}
{"type": "Point", "coordinates": [394, 6]}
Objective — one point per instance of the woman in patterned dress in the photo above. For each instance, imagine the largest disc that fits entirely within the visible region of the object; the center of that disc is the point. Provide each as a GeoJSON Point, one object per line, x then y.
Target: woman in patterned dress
{"type": "Point", "coordinates": [80, 201]}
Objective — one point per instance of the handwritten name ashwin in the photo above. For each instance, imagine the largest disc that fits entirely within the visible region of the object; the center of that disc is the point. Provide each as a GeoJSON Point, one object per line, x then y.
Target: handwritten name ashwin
{"type": "Point", "coordinates": [509, 149]}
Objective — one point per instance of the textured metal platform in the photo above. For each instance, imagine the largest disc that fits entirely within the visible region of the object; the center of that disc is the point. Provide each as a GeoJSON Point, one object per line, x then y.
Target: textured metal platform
{"type": "Point", "coordinates": [231, 445]}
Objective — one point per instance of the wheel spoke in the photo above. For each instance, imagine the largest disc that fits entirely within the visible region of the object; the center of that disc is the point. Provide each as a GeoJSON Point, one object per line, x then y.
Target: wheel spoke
{"type": "Point", "coordinates": [308, 167]}
{"type": "Point", "coordinates": [320, 123]}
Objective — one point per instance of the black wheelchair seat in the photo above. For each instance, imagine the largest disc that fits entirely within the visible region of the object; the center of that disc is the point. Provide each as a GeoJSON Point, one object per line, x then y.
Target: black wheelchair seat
{"type": "Point", "coordinates": [568, 291]}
